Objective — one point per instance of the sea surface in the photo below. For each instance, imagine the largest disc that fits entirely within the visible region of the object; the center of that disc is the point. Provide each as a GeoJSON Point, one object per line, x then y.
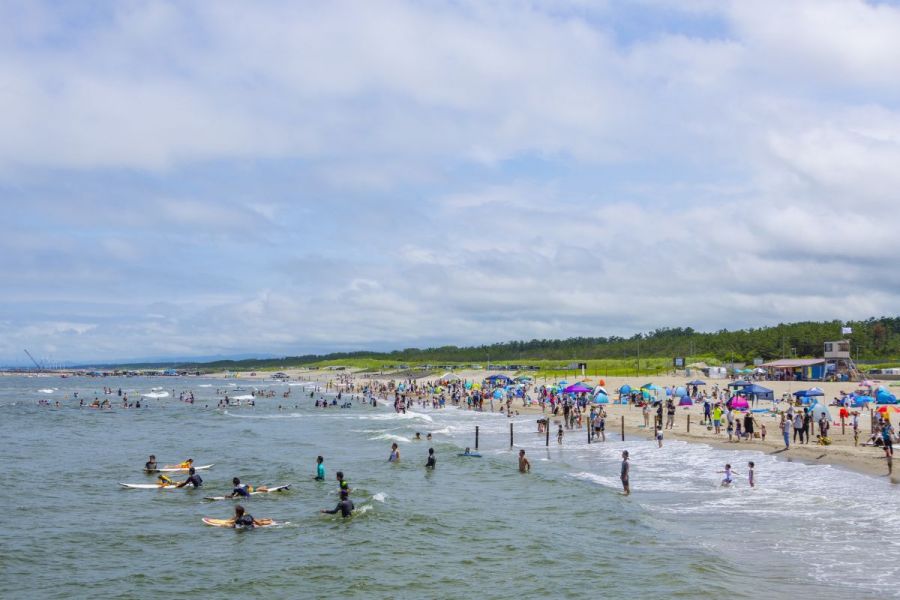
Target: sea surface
{"type": "Point", "coordinates": [473, 528]}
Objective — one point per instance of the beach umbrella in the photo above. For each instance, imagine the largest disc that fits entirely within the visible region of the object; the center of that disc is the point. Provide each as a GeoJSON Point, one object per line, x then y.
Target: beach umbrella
{"type": "Point", "coordinates": [577, 388]}
{"type": "Point", "coordinates": [738, 402]}
{"type": "Point", "coordinates": [885, 409]}
{"type": "Point", "coordinates": [696, 382]}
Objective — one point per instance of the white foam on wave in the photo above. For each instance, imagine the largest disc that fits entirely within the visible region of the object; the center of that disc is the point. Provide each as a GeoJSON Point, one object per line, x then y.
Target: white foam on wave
{"type": "Point", "coordinates": [396, 416]}
{"type": "Point", "coordinates": [390, 436]}
{"type": "Point", "coordinates": [379, 497]}
{"type": "Point", "coordinates": [243, 397]}
{"type": "Point", "coordinates": [205, 385]}
{"type": "Point", "coordinates": [155, 395]}
{"type": "Point", "coordinates": [47, 391]}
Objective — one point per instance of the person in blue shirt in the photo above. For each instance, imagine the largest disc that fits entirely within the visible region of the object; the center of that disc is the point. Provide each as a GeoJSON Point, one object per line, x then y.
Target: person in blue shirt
{"type": "Point", "coordinates": [320, 469]}
{"type": "Point", "coordinates": [240, 489]}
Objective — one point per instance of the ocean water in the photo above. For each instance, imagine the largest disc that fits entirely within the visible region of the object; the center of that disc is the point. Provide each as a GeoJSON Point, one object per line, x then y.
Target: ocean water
{"type": "Point", "coordinates": [472, 528]}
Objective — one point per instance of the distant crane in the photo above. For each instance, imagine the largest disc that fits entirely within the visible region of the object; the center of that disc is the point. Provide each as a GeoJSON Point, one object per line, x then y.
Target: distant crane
{"type": "Point", "coordinates": [36, 363]}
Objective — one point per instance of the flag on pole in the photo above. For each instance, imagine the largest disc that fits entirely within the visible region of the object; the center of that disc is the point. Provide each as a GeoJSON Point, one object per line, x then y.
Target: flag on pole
{"type": "Point", "coordinates": [846, 330]}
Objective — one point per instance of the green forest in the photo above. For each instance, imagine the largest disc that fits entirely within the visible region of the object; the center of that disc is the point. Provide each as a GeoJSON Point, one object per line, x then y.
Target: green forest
{"type": "Point", "coordinates": [875, 340]}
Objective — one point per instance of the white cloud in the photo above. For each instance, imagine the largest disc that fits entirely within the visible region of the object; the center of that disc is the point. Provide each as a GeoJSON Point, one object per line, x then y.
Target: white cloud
{"type": "Point", "coordinates": [345, 174]}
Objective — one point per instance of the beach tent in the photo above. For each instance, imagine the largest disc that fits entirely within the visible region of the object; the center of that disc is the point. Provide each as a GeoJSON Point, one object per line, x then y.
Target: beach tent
{"type": "Point", "coordinates": [818, 410]}
{"type": "Point", "coordinates": [680, 391]}
{"type": "Point", "coordinates": [859, 400]}
{"type": "Point", "coordinates": [885, 397]}
{"type": "Point", "coordinates": [625, 389]}
{"type": "Point", "coordinates": [577, 388]}
{"type": "Point", "coordinates": [809, 393]}
{"type": "Point", "coordinates": [600, 390]}
{"type": "Point", "coordinates": [685, 401]}
{"type": "Point", "coordinates": [738, 402]}
{"type": "Point", "coordinates": [450, 377]}
{"type": "Point", "coordinates": [739, 383]}
{"type": "Point", "coordinates": [497, 379]}
{"type": "Point", "coordinates": [524, 378]}
{"type": "Point", "coordinates": [498, 394]}
{"type": "Point", "coordinates": [601, 399]}
{"type": "Point", "coordinates": [757, 392]}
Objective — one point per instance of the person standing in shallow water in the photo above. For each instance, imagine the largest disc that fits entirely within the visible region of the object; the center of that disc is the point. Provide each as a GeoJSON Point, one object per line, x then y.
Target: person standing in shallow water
{"type": "Point", "coordinates": [524, 463]}
{"type": "Point", "coordinates": [624, 475]}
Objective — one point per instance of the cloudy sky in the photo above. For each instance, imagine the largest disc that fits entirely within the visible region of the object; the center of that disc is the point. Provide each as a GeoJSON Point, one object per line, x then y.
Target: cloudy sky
{"type": "Point", "coordinates": [287, 177]}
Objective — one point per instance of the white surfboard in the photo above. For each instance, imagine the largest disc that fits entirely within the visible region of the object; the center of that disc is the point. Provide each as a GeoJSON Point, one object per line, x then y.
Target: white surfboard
{"type": "Point", "coordinates": [152, 486]}
{"type": "Point", "coordinates": [178, 469]}
{"type": "Point", "coordinates": [269, 490]}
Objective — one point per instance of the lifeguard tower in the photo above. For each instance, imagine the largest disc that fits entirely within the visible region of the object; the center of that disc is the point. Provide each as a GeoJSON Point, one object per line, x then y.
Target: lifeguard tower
{"type": "Point", "coordinates": [838, 362]}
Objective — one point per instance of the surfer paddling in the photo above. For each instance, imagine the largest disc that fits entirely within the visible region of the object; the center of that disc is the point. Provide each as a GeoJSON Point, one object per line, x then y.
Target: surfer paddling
{"type": "Point", "coordinates": [243, 520]}
{"type": "Point", "coordinates": [243, 490]}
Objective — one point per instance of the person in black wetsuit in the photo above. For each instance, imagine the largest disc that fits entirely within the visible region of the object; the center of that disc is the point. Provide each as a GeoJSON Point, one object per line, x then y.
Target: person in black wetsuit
{"type": "Point", "coordinates": [150, 465]}
{"type": "Point", "coordinates": [345, 506]}
{"type": "Point", "coordinates": [240, 489]}
{"type": "Point", "coordinates": [432, 461]}
{"type": "Point", "coordinates": [192, 479]}
{"type": "Point", "coordinates": [242, 520]}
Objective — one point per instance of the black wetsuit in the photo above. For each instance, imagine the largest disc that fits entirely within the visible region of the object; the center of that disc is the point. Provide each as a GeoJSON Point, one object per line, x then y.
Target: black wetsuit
{"type": "Point", "coordinates": [344, 506]}
{"type": "Point", "coordinates": [240, 490]}
{"type": "Point", "coordinates": [432, 462]}
{"type": "Point", "coordinates": [194, 480]}
{"type": "Point", "coordinates": [245, 522]}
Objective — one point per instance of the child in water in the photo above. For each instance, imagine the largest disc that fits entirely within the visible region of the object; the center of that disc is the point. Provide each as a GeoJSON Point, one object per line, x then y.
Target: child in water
{"type": "Point", "coordinates": [751, 473]}
{"type": "Point", "coordinates": [659, 436]}
{"type": "Point", "coordinates": [728, 479]}
{"type": "Point", "coordinates": [559, 435]}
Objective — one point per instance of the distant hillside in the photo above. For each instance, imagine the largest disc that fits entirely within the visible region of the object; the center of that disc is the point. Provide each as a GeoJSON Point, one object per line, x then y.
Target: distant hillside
{"type": "Point", "coordinates": [873, 340]}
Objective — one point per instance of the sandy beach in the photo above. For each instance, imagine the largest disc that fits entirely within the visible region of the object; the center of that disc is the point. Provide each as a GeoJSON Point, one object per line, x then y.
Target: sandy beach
{"type": "Point", "coordinates": [841, 453]}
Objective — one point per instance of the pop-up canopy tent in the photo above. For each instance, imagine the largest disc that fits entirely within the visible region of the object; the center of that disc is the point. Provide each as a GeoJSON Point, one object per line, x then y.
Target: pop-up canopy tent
{"type": "Point", "coordinates": [577, 388]}
{"type": "Point", "coordinates": [449, 377]}
{"type": "Point", "coordinates": [497, 379]}
{"type": "Point", "coordinates": [756, 392]}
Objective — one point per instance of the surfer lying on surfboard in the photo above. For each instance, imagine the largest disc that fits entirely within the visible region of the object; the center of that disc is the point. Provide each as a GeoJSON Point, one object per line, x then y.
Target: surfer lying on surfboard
{"type": "Point", "coordinates": [243, 490]}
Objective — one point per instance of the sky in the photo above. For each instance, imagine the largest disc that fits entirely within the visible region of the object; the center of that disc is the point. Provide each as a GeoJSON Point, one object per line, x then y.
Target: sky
{"type": "Point", "coordinates": [217, 178]}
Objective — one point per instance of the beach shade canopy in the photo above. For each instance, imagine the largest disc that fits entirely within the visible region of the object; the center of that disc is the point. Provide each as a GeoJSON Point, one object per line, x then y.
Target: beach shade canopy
{"type": "Point", "coordinates": [738, 402]}
{"type": "Point", "coordinates": [680, 391]}
{"type": "Point", "coordinates": [498, 394]}
{"type": "Point", "coordinates": [523, 378]}
{"type": "Point", "coordinates": [885, 409]}
{"type": "Point", "coordinates": [649, 386]}
{"type": "Point", "coordinates": [625, 389]}
{"type": "Point", "coordinates": [809, 393]}
{"type": "Point", "coordinates": [740, 383]}
{"type": "Point", "coordinates": [450, 377]}
{"type": "Point", "coordinates": [577, 388]}
{"type": "Point", "coordinates": [601, 399]}
{"type": "Point", "coordinates": [563, 382]}
{"type": "Point", "coordinates": [685, 401]}
{"type": "Point", "coordinates": [497, 378]}
{"type": "Point", "coordinates": [600, 390]}
{"type": "Point", "coordinates": [696, 382]}
{"type": "Point", "coordinates": [859, 400]}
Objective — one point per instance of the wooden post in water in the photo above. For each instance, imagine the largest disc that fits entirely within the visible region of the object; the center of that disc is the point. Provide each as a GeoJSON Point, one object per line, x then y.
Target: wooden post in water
{"type": "Point", "coordinates": [547, 431]}
{"type": "Point", "coordinates": [689, 423]}
{"type": "Point", "coordinates": [589, 428]}
{"type": "Point", "coordinates": [842, 425]}
{"type": "Point", "coordinates": [476, 437]}
{"type": "Point", "coordinates": [510, 435]}
{"type": "Point", "coordinates": [623, 428]}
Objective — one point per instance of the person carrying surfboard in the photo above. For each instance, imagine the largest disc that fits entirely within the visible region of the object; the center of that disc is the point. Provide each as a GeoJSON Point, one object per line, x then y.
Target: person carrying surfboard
{"type": "Point", "coordinates": [192, 479]}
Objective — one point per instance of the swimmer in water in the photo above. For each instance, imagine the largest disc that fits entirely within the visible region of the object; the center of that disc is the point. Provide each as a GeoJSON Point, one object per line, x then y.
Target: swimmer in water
{"type": "Point", "coordinates": [320, 469]}
{"type": "Point", "coordinates": [432, 461]}
{"type": "Point", "coordinates": [345, 506]}
{"type": "Point", "coordinates": [151, 465]}
{"type": "Point", "coordinates": [626, 471]}
{"type": "Point", "coordinates": [751, 473]}
{"type": "Point", "coordinates": [395, 453]}
{"type": "Point", "coordinates": [418, 437]}
{"type": "Point", "coordinates": [242, 489]}
{"type": "Point", "coordinates": [524, 463]}
{"type": "Point", "coordinates": [192, 479]}
{"type": "Point", "coordinates": [343, 484]}
{"type": "Point", "coordinates": [242, 519]}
